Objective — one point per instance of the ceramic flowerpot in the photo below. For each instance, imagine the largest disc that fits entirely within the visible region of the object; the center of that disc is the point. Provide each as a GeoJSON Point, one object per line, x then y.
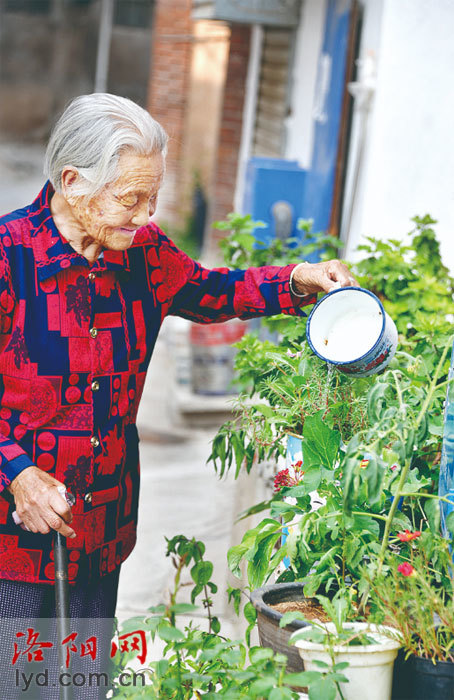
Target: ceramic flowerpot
{"type": "Point", "coordinates": [420, 679]}
{"type": "Point", "coordinates": [370, 669]}
{"type": "Point", "coordinates": [270, 634]}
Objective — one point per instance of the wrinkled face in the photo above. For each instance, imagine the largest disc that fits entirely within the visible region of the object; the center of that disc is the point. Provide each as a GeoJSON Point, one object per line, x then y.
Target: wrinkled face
{"type": "Point", "coordinates": [112, 216]}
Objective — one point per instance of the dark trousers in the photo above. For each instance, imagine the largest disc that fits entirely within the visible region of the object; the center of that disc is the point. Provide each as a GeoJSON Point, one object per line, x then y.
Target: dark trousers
{"type": "Point", "coordinates": [27, 621]}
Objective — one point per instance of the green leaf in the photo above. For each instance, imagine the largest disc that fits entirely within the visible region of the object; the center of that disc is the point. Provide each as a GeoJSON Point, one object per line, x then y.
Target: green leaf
{"type": "Point", "coordinates": [215, 625]}
{"type": "Point", "coordinates": [161, 667]}
{"type": "Point", "coordinates": [305, 369]}
{"type": "Point", "coordinates": [259, 564]}
{"type": "Point", "coordinates": [432, 510]}
{"type": "Point", "coordinates": [283, 508]}
{"type": "Point", "coordinates": [198, 588]}
{"type": "Point", "coordinates": [367, 523]}
{"type": "Point", "coordinates": [234, 557]}
{"type": "Point", "coordinates": [312, 586]}
{"type": "Point", "coordinates": [201, 572]}
{"type": "Point", "coordinates": [170, 634]}
{"type": "Point", "coordinates": [320, 443]}
{"type": "Point", "coordinates": [183, 608]}
{"type": "Point", "coordinates": [338, 677]}
{"type": "Point", "coordinates": [235, 598]}
{"type": "Point", "coordinates": [401, 521]}
{"type": "Point", "coordinates": [311, 634]}
{"type": "Point", "coordinates": [450, 522]}
{"type": "Point", "coordinates": [310, 482]}
{"type": "Point", "coordinates": [250, 613]}
{"type": "Point", "coordinates": [156, 610]}
{"type": "Point", "coordinates": [239, 451]}
{"type": "Point", "coordinates": [262, 687]}
{"type": "Point", "coordinates": [305, 678]}
{"type": "Point", "coordinates": [323, 689]}
{"type": "Point", "coordinates": [289, 617]}
{"type": "Point", "coordinates": [279, 694]}
{"type": "Point", "coordinates": [264, 409]}
{"type": "Point", "coordinates": [258, 654]}
{"type": "Point", "coordinates": [373, 474]}
{"type": "Point", "coordinates": [341, 666]}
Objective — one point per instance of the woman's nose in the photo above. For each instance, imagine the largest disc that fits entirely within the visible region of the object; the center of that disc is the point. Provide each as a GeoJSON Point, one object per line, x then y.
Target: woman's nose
{"type": "Point", "coordinates": [141, 216]}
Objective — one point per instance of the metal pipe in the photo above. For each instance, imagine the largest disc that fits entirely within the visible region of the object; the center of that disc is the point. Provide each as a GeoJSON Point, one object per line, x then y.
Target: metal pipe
{"type": "Point", "coordinates": [62, 607]}
{"type": "Point", "coordinates": [104, 41]}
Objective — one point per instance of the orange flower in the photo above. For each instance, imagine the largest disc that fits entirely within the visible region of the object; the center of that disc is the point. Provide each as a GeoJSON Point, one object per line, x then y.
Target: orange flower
{"type": "Point", "coordinates": [407, 536]}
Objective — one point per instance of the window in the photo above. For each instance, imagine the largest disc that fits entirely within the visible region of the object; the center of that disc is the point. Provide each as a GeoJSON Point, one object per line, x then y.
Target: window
{"type": "Point", "coordinates": [35, 7]}
{"type": "Point", "coordinates": [133, 13]}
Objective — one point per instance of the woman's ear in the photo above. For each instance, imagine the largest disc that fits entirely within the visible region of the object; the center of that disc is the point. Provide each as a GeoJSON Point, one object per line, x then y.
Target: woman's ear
{"type": "Point", "coordinates": [70, 178]}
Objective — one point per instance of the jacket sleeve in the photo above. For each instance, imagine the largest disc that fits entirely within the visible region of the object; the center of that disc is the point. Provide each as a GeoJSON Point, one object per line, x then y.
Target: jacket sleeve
{"type": "Point", "coordinates": [13, 459]}
{"type": "Point", "coordinates": [214, 295]}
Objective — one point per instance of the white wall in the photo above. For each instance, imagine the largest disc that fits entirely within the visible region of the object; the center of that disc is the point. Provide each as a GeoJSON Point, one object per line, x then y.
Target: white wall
{"type": "Point", "coordinates": [303, 86]}
{"type": "Point", "coordinates": [408, 161]}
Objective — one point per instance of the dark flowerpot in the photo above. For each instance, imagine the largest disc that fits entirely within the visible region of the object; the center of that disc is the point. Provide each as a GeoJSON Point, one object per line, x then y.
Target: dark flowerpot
{"type": "Point", "coordinates": [402, 678]}
{"type": "Point", "coordinates": [420, 679]}
{"type": "Point", "coordinates": [270, 634]}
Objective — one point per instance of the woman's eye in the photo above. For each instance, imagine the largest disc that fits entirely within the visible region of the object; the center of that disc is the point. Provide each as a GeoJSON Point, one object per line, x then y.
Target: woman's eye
{"type": "Point", "coordinates": [127, 202]}
{"type": "Point", "coordinates": [130, 202]}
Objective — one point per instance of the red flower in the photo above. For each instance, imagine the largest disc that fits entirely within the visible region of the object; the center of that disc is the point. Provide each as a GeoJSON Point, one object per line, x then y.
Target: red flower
{"type": "Point", "coordinates": [407, 536]}
{"type": "Point", "coordinates": [406, 569]}
{"type": "Point", "coordinates": [284, 478]}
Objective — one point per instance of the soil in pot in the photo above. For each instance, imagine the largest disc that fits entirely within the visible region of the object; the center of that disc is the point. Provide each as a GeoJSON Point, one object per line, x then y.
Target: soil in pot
{"type": "Point", "coordinates": [309, 607]}
{"type": "Point", "coordinates": [271, 602]}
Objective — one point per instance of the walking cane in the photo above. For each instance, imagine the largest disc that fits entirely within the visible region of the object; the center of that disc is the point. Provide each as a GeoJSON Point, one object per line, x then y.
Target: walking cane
{"type": "Point", "coordinates": [62, 599]}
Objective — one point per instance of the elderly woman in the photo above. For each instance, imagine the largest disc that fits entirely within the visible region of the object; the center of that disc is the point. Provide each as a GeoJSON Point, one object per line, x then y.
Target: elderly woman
{"type": "Point", "coordinates": [86, 281]}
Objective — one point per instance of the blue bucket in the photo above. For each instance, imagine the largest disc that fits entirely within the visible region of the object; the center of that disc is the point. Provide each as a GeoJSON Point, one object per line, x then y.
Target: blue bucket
{"type": "Point", "coordinates": [350, 329]}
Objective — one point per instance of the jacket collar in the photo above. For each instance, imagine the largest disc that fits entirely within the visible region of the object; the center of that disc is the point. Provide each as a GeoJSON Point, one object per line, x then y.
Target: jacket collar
{"type": "Point", "coordinates": [52, 252]}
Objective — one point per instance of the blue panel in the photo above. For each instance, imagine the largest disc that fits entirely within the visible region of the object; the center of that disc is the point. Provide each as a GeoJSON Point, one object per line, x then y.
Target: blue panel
{"type": "Point", "coordinates": [269, 180]}
{"type": "Point", "coordinates": [319, 188]}
{"type": "Point", "coordinates": [446, 483]}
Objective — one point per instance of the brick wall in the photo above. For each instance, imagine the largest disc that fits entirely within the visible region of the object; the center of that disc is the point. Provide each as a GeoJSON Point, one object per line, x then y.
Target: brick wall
{"type": "Point", "coordinates": [230, 130]}
{"type": "Point", "coordinates": [168, 92]}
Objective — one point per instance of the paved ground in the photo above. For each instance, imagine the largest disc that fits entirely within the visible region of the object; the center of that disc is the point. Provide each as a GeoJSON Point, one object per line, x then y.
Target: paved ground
{"type": "Point", "coordinates": [180, 494]}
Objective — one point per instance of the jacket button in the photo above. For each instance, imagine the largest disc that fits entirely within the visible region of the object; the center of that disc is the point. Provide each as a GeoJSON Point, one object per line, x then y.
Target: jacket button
{"type": "Point", "coordinates": [93, 332]}
{"type": "Point", "coordinates": [95, 386]}
{"type": "Point", "coordinates": [88, 496]}
{"type": "Point", "coordinates": [91, 276]}
{"type": "Point", "coordinates": [94, 441]}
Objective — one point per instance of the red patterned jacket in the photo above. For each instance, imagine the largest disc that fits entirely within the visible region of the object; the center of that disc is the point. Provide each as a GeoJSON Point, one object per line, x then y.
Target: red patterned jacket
{"type": "Point", "coordinates": [75, 343]}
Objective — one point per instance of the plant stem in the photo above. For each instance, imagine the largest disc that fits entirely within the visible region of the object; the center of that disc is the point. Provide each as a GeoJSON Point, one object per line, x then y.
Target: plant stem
{"type": "Point", "coordinates": [428, 495]}
{"type": "Point", "coordinates": [354, 512]}
{"type": "Point", "coordinates": [433, 385]}
{"type": "Point", "coordinates": [404, 474]}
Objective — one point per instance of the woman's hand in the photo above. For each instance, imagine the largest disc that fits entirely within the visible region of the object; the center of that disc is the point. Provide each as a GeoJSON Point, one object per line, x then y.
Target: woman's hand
{"type": "Point", "coordinates": [38, 503]}
{"type": "Point", "coordinates": [310, 278]}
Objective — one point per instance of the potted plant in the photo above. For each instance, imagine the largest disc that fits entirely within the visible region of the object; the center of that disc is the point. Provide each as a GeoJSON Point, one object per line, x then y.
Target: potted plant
{"type": "Point", "coordinates": [363, 650]}
{"type": "Point", "coordinates": [198, 662]}
{"type": "Point", "coordinates": [366, 451]}
{"type": "Point", "coordinates": [418, 599]}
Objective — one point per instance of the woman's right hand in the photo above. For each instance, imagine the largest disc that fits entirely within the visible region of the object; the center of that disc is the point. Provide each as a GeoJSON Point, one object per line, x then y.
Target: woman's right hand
{"type": "Point", "coordinates": [39, 504]}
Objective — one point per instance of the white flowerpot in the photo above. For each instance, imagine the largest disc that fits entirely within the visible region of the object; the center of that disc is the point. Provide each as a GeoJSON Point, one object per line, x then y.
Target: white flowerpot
{"type": "Point", "coordinates": [370, 669]}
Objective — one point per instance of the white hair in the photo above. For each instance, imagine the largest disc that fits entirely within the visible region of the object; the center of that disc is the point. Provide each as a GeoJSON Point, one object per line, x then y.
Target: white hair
{"type": "Point", "coordinates": [92, 133]}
